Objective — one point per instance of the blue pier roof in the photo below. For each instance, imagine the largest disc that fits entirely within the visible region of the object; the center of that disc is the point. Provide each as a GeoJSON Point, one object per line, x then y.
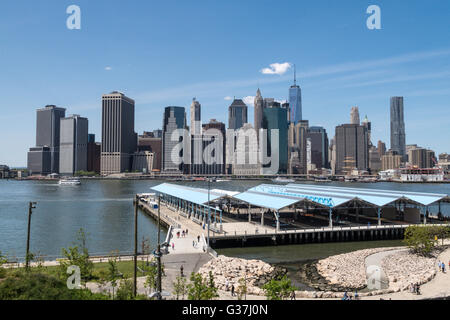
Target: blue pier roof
{"type": "Point", "coordinates": [277, 197]}
{"type": "Point", "coordinates": [194, 195]}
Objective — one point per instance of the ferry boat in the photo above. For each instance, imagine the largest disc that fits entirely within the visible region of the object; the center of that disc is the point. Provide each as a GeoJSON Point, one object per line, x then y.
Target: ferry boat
{"type": "Point", "coordinates": [283, 180]}
{"type": "Point", "coordinates": [69, 182]}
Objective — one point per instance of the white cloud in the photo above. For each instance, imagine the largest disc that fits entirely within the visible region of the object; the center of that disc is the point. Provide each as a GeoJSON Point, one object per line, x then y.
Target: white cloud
{"type": "Point", "coordinates": [249, 100]}
{"type": "Point", "coordinates": [228, 98]}
{"type": "Point", "coordinates": [108, 68]}
{"type": "Point", "coordinates": [277, 68]}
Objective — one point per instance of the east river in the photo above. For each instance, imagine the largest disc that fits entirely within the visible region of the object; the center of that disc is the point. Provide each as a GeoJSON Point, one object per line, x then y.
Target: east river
{"type": "Point", "coordinates": [104, 209]}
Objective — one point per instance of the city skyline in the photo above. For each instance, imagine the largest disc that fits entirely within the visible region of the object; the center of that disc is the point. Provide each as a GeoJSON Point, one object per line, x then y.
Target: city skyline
{"type": "Point", "coordinates": [364, 70]}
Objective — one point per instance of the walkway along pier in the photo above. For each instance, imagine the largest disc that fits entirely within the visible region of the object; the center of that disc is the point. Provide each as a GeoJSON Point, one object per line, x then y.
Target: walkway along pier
{"type": "Point", "coordinates": [293, 214]}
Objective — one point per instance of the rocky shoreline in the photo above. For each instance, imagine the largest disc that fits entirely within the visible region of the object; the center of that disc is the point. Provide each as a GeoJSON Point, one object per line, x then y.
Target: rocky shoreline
{"type": "Point", "coordinates": [348, 270]}
{"type": "Point", "coordinates": [330, 277]}
{"type": "Point", "coordinates": [405, 268]}
{"type": "Point", "coordinates": [256, 272]}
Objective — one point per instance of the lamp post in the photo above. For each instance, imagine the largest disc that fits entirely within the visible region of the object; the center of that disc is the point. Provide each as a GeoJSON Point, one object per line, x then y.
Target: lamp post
{"type": "Point", "coordinates": [209, 208]}
{"type": "Point", "coordinates": [158, 252]}
{"type": "Point", "coordinates": [31, 206]}
{"type": "Point", "coordinates": [136, 199]}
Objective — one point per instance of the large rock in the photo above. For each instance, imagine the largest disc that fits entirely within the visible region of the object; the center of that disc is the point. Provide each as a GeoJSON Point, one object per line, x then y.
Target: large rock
{"type": "Point", "coordinates": [256, 273]}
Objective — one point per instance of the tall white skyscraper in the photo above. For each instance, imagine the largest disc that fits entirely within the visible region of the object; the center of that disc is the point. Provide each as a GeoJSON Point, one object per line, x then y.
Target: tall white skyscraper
{"type": "Point", "coordinates": [196, 122]}
{"type": "Point", "coordinates": [196, 138]}
{"type": "Point", "coordinates": [354, 116]}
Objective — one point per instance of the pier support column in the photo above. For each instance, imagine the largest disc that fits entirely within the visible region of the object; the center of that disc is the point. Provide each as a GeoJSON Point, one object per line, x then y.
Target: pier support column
{"type": "Point", "coordinates": [357, 214]}
{"type": "Point", "coordinates": [379, 216]}
{"type": "Point", "coordinates": [277, 216]}
{"type": "Point", "coordinates": [249, 213]}
{"type": "Point", "coordinates": [331, 218]}
{"type": "Point", "coordinates": [262, 217]}
{"type": "Point", "coordinates": [425, 215]}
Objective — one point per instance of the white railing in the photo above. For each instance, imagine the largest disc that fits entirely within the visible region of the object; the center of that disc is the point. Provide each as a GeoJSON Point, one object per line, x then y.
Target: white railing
{"type": "Point", "coordinates": [315, 230]}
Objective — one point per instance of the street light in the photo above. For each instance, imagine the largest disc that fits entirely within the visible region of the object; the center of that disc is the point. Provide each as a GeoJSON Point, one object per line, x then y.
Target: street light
{"type": "Point", "coordinates": [31, 206]}
{"type": "Point", "coordinates": [209, 208]}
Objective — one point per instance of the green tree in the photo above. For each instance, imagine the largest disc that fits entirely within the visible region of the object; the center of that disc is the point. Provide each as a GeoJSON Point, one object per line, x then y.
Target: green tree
{"type": "Point", "coordinates": [278, 289]}
{"type": "Point", "coordinates": [180, 287]}
{"type": "Point", "coordinates": [242, 288]}
{"type": "Point", "coordinates": [39, 286]}
{"type": "Point", "coordinates": [113, 274]}
{"type": "Point", "coordinates": [126, 290]}
{"type": "Point", "coordinates": [78, 255]}
{"type": "Point", "coordinates": [419, 239]}
{"type": "Point", "coordinates": [201, 289]}
{"type": "Point", "coordinates": [151, 280]}
{"type": "Point", "coordinates": [3, 260]}
{"type": "Point", "coordinates": [440, 232]}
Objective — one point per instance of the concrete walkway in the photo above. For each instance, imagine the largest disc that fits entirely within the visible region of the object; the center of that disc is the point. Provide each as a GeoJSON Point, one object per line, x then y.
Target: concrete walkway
{"type": "Point", "coordinates": [187, 244]}
{"type": "Point", "coordinates": [376, 277]}
{"type": "Point", "coordinates": [436, 288]}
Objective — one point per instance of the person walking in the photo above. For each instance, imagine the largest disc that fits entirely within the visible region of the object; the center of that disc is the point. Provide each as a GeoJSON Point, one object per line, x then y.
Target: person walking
{"type": "Point", "coordinates": [181, 270]}
{"type": "Point", "coordinates": [173, 246]}
{"type": "Point", "coordinates": [293, 295]}
{"type": "Point", "coordinates": [232, 290]}
{"type": "Point", "coordinates": [198, 239]}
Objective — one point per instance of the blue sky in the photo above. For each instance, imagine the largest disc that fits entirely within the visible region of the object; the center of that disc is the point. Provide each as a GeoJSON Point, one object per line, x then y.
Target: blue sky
{"type": "Point", "coordinates": [164, 53]}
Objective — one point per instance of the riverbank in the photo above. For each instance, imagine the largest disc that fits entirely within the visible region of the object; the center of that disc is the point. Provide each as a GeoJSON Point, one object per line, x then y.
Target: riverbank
{"type": "Point", "coordinates": [186, 178]}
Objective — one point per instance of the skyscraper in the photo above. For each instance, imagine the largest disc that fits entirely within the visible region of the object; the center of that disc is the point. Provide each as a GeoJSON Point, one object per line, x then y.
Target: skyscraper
{"type": "Point", "coordinates": [94, 150]}
{"type": "Point", "coordinates": [275, 118]}
{"type": "Point", "coordinates": [368, 125]}
{"type": "Point", "coordinates": [47, 141]}
{"type": "Point", "coordinates": [196, 122]}
{"type": "Point", "coordinates": [297, 144]}
{"type": "Point", "coordinates": [74, 145]}
{"type": "Point", "coordinates": [259, 106]}
{"type": "Point", "coordinates": [319, 146]}
{"type": "Point", "coordinates": [237, 114]}
{"type": "Point", "coordinates": [398, 136]}
{"type": "Point", "coordinates": [172, 158]}
{"type": "Point", "coordinates": [295, 101]}
{"type": "Point", "coordinates": [354, 116]}
{"type": "Point", "coordinates": [214, 147]}
{"type": "Point", "coordinates": [352, 150]}
{"type": "Point", "coordinates": [196, 160]}
{"type": "Point", "coordinates": [150, 141]}
{"type": "Point", "coordinates": [119, 140]}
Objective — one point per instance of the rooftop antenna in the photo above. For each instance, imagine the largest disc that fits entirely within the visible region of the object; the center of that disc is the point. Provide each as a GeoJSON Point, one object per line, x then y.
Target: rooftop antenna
{"type": "Point", "coordinates": [295, 75]}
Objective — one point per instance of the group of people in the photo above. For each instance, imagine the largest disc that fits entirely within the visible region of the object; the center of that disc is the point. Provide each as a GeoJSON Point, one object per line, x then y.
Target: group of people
{"type": "Point", "coordinates": [349, 297]}
{"type": "Point", "coordinates": [182, 233]}
{"type": "Point", "coordinates": [194, 243]}
{"type": "Point", "coordinates": [414, 288]}
{"type": "Point", "coordinates": [441, 266]}
{"type": "Point", "coordinates": [227, 287]}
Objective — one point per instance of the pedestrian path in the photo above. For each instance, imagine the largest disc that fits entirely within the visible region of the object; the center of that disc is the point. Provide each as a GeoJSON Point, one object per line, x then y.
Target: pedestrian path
{"type": "Point", "coordinates": [436, 288]}
{"type": "Point", "coordinates": [376, 277]}
{"type": "Point", "coordinates": [185, 244]}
